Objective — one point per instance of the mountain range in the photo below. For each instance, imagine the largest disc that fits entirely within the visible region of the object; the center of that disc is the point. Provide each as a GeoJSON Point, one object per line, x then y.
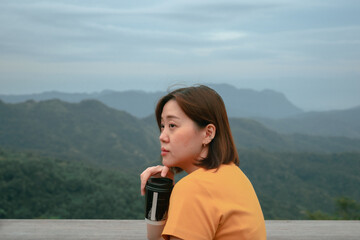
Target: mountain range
{"type": "Point", "coordinates": [268, 107]}
{"type": "Point", "coordinates": [328, 123]}
{"type": "Point", "coordinates": [239, 102]}
{"type": "Point", "coordinates": [93, 131]}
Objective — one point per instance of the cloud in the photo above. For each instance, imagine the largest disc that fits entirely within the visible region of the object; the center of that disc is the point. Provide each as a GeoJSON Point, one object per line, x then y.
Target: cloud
{"type": "Point", "coordinates": [65, 32]}
{"type": "Point", "coordinates": [226, 36]}
{"type": "Point", "coordinates": [204, 39]}
{"type": "Point", "coordinates": [67, 29]}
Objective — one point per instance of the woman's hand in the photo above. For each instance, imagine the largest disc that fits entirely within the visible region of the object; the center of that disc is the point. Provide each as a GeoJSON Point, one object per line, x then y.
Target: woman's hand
{"type": "Point", "coordinates": [157, 171]}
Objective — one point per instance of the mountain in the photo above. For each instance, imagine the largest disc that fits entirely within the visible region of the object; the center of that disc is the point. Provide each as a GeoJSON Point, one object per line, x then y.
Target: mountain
{"type": "Point", "coordinates": [270, 108]}
{"type": "Point", "coordinates": [239, 102]}
{"type": "Point", "coordinates": [137, 103]}
{"type": "Point", "coordinates": [93, 131]}
{"type": "Point", "coordinates": [344, 123]}
{"type": "Point", "coordinates": [88, 130]}
{"type": "Point", "coordinates": [249, 103]}
{"type": "Point", "coordinates": [250, 134]}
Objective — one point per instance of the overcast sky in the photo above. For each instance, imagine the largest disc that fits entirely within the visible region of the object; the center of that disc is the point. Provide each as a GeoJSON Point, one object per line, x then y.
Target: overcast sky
{"type": "Point", "coordinates": [307, 49]}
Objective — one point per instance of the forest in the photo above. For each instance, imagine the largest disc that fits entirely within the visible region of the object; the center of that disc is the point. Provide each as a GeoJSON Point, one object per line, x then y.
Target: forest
{"type": "Point", "coordinates": [36, 186]}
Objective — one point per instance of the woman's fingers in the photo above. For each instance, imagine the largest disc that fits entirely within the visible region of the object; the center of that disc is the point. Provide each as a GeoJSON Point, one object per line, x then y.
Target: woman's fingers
{"type": "Point", "coordinates": [152, 171]}
{"type": "Point", "coordinates": [164, 171]}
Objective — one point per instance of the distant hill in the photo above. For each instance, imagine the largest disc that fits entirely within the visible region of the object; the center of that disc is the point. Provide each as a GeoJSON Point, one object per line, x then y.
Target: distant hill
{"type": "Point", "coordinates": [239, 102]}
{"type": "Point", "coordinates": [330, 123]}
{"type": "Point", "coordinates": [250, 134]}
{"type": "Point", "coordinates": [249, 103]}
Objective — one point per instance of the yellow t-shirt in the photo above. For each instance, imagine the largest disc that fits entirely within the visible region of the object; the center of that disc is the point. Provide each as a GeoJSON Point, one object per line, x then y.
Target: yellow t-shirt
{"type": "Point", "coordinates": [215, 204]}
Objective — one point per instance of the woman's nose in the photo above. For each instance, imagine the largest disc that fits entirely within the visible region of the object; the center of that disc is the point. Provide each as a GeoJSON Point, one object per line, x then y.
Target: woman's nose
{"type": "Point", "coordinates": [163, 136]}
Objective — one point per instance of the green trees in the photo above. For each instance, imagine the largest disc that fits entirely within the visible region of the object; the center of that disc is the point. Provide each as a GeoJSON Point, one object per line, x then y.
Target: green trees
{"type": "Point", "coordinates": [32, 186]}
{"type": "Point", "coordinates": [345, 209]}
{"type": "Point", "coordinates": [289, 186]}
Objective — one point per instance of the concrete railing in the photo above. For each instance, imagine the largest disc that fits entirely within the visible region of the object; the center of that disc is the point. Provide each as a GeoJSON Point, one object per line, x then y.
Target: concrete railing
{"type": "Point", "coordinates": [136, 230]}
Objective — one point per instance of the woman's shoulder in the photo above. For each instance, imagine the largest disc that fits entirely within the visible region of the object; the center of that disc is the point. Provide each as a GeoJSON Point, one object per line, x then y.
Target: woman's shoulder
{"type": "Point", "coordinates": [192, 182]}
{"type": "Point", "coordinates": [201, 177]}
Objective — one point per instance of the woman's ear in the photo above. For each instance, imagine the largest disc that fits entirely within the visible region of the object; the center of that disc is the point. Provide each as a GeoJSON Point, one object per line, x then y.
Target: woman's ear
{"type": "Point", "coordinates": [210, 131]}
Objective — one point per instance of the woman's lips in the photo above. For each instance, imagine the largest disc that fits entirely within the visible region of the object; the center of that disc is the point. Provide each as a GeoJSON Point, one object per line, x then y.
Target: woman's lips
{"type": "Point", "coordinates": [164, 151]}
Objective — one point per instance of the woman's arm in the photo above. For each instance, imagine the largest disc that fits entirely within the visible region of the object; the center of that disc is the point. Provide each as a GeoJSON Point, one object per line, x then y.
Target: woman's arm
{"type": "Point", "coordinates": [154, 231]}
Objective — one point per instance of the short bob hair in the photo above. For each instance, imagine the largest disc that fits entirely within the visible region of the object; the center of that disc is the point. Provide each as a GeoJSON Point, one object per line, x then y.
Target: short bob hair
{"type": "Point", "coordinates": [204, 106]}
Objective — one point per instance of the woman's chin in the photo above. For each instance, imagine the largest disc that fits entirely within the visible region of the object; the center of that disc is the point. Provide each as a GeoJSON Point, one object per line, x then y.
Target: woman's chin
{"type": "Point", "coordinates": [167, 163]}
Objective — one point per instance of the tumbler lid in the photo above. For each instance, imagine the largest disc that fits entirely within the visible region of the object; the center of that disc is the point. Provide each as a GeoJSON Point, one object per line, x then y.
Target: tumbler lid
{"type": "Point", "coordinates": [159, 184]}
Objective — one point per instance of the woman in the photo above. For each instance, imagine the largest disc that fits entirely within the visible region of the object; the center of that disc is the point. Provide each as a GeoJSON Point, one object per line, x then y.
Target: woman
{"type": "Point", "coordinates": [215, 200]}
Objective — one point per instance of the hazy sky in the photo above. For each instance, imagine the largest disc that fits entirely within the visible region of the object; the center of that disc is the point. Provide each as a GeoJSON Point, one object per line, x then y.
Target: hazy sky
{"type": "Point", "coordinates": [307, 49]}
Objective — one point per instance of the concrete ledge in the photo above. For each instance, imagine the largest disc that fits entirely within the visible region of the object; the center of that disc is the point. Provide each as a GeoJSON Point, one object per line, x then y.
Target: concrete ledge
{"type": "Point", "coordinates": [136, 229]}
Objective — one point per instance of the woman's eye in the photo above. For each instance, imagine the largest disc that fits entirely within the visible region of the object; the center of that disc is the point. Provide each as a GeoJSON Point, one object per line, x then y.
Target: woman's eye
{"type": "Point", "coordinates": [170, 125]}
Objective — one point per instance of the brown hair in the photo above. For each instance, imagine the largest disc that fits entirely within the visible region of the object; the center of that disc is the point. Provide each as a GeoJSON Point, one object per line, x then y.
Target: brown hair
{"type": "Point", "coordinates": [204, 106]}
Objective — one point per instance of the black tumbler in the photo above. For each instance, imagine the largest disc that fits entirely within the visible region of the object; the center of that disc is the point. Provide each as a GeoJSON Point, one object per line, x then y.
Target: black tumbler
{"type": "Point", "coordinates": [157, 196]}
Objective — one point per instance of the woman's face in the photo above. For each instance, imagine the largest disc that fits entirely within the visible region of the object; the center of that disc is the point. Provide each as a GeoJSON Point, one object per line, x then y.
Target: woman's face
{"type": "Point", "coordinates": [181, 140]}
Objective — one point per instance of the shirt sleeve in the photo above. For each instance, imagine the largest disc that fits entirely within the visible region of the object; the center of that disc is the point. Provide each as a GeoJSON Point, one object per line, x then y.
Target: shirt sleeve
{"type": "Point", "coordinates": [192, 214]}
